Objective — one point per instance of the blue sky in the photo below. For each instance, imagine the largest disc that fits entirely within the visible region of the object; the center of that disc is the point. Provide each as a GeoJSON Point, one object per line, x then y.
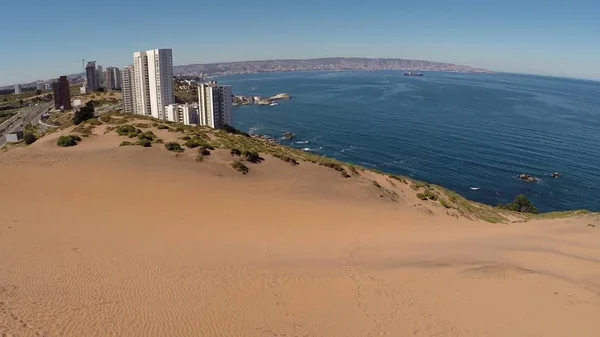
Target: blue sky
{"type": "Point", "coordinates": [44, 39]}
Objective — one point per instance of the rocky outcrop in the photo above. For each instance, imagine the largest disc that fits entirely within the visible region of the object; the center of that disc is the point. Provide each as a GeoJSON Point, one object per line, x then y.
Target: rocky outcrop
{"type": "Point", "coordinates": [556, 175]}
{"type": "Point", "coordinates": [247, 100]}
{"type": "Point", "coordinates": [288, 136]}
{"type": "Point", "coordinates": [528, 178]}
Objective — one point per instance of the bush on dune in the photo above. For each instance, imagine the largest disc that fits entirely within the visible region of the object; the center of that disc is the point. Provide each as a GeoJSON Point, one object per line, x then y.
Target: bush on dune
{"type": "Point", "coordinates": [173, 147]}
{"type": "Point", "coordinates": [29, 138]}
{"type": "Point", "coordinates": [66, 141]}
{"type": "Point", "coordinates": [240, 167]}
{"type": "Point", "coordinates": [521, 204]}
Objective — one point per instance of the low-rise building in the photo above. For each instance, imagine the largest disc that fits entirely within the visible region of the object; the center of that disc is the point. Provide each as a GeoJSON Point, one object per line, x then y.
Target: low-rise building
{"type": "Point", "coordinates": [183, 113]}
{"type": "Point", "coordinates": [14, 137]}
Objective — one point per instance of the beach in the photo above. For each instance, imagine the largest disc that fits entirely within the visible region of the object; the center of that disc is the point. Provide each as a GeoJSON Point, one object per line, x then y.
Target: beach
{"type": "Point", "coordinates": [102, 240]}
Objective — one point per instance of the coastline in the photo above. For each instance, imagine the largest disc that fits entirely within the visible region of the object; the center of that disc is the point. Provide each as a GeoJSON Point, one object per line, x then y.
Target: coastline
{"type": "Point", "coordinates": [447, 198]}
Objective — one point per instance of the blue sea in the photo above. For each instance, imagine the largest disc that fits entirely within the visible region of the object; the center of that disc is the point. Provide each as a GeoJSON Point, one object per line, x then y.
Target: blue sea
{"type": "Point", "coordinates": [460, 131]}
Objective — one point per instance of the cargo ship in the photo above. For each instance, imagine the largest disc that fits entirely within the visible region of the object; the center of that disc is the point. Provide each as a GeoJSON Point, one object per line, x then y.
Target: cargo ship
{"type": "Point", "coordinates": [412, 74]}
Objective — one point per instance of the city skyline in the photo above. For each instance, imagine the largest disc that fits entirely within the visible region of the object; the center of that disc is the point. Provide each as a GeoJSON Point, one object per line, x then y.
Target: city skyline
{"type": "Point", "coordinates": [536, 37]}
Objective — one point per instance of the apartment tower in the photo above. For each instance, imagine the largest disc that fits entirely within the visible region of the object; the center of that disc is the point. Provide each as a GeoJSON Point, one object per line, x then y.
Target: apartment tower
{"type": "Point", "coordinates": [112, 78]}
{"type": "Point", "coordinates": [62, 93]}
{"type": "Point", "coordinates": [215, 103]}
{"type": "Point", "coordinates": [91, 77]}
{"type": "Point", "coordinates": [127, 88]}
{"type": "Point", "coordinates": [153, 82]}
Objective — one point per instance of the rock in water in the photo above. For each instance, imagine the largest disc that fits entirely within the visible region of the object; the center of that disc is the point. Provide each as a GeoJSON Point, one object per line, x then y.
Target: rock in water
{"type": "Point", "coordinates": [528, 178]}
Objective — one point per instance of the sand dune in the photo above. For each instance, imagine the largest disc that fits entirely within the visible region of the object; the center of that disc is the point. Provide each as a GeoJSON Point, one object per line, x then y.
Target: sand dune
{"type": "Point", "coordinates": [98, 240]}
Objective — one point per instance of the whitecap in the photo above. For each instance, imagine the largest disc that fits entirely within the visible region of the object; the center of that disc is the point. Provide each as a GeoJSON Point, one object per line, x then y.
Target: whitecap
{"type": "Point", "coordinates": [302, 142]}
{"type": "Point", "coordinates": [475, 188]}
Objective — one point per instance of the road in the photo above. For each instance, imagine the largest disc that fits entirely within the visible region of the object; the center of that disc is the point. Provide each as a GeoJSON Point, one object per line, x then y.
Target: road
{"type": "Point", "coordinates": [30, 114]}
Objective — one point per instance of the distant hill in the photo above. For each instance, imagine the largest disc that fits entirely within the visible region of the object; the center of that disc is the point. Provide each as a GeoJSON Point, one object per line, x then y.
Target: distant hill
{"type": "Point", "coordinates": [327, 64]}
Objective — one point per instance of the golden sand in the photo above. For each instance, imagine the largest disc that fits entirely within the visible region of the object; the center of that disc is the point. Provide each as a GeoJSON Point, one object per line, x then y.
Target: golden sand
{"type": "Point", "coordinates": [101, 240]}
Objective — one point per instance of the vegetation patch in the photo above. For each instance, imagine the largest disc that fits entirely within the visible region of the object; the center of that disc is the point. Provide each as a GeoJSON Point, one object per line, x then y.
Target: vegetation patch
{"type": "Point", "coordinates": [286, 159]}
{"type": "Point", "coordinates": [235, 152]}
{"type": "Point", "coordinates": [94, 122]}
{"type": "Point", "coordinates": [84, 113]}
{"type": "Point", "coordinates": [162, 127]}
{"type": "Point", "coordinates": [203, 151]}
{"type": "Point", "coordinates": [251, 156]}
{"type": "Point", "coordinates": [195, 142]}
{"type": "Point", "coordinates": [521, 204]}
{"type": "Point", "coordinates": [240, 167]}
{"type": "Point", "coordinates": [29, 138]}
{"type": "Point", "coordinates": [66, 141]}
{"type": "Point", "coordinates": [173, 147]}
{"type": "Point", "coordinates": [144, 143]}
{"type": "Point", "coordinates": [142, 125]}
{"type": "Point", "coordinates": [126, 143]}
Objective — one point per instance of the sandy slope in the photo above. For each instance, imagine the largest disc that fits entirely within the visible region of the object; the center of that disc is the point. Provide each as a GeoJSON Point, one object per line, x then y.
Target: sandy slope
{"type": "Point", "coordinates": [98, 240]}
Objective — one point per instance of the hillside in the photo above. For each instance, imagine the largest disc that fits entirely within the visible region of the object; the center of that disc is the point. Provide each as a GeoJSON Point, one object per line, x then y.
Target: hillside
{"type": "Point", "coordinates": [325, 64]}
{"type": "Point", "coordinates": [126, 234]}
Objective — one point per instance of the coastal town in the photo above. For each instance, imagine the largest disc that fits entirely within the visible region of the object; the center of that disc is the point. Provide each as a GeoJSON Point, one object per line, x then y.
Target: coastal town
{"type": "Point", "coordinates": [321, 64]}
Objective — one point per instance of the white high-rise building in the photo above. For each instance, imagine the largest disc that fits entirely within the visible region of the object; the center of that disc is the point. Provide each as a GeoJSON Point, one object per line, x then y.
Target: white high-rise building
{"type": "Point", "coordinates": [17, 89]}
{"type": "Point", "coordinates": [39, 85]}
{"type": "Point", "coordinates": [183, 113]}
{"type": "Point", "coordinates": [153, 82]}
{"type": "Point", "coordinates": [215, 104]}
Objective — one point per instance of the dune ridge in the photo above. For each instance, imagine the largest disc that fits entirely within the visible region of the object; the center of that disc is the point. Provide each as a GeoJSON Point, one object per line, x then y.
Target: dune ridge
{"type": "Point", "coordinates": [102, 240]}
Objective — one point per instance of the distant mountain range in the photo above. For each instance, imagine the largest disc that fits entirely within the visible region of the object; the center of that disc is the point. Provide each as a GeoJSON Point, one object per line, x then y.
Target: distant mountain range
{"type": "Point", "coordinates": [323, 64]}
{"type": "Point", "coordinates": [319, 64]}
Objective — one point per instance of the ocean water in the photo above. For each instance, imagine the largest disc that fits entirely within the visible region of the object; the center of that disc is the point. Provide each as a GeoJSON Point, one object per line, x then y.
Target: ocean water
{"type": "Point", "coordinates": [460, 131]}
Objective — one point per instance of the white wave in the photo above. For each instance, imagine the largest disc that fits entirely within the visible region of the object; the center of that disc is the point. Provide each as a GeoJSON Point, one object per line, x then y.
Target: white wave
{"type": "Point", "coordinates": [302, 142]}
{"type": "Point", "coordinates": [475, 188]}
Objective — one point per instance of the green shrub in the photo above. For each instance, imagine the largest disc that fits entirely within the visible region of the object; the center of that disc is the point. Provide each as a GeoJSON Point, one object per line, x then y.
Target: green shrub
{"type": "Point", "coordinates": [94, 121]}
{"type": "Point", "coordinates": [203, 151]}
{"type": "Point", "coordinates": [445, 203]}
{"type": "Point", "coordinates": [286, 159]}
{"type": "Point", "coordinates": [345, 174]}
{"type": "Point", "coordinates": [235, 152]}
{"type": "Point", "coordinates": [159, 141]}
{"type": "Point", "coordinates": [126, 130]}
{"type": "Point", "coordinates": [174, 147]}
{"type": "Point", "coordinates": [162, 127]}
{"type": "Point", "coordinates": [185, 138]}
{"type": "Point", "coordinates": [83, 113]}
{"type": "Point", "coordinates": [145, 143]}
{"type": "Point", "coordinates": [240, 167]}
{"type": "Point", "coordinates": [521, 204]}
{"type": "Point", "coordinates": [126, 143]}
{"type": "Point", "coordinates": [252, 157]}
{"type": "Point", "coordinates": [142, 125]}
{"type": "Point", "coordinates": [428, 194]}
{"type": "Point", "coordinates": [353, 170]}
{"type": "Point", "coordinates": [70, 140]}
{"type": "Point", "coordinates": [29, 138]}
